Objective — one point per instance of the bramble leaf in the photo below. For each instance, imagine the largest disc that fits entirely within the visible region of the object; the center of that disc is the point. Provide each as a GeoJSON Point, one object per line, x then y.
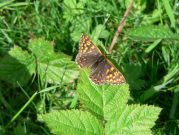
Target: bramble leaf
{"type": "Point", "coordinates": [73, 122]}
{"type": "Point", "coordinates": [109, 104]}
{"type": "Point", "coordinates": [133, 119]}
{"type": "Point", "coordinates": [17, 66]}
{"type": "Point", "coordinates": [52, 67]}
{"type": "Point", "coordinates": [72, 8]}
{"type": "Point", "coordinates": [101, 99]}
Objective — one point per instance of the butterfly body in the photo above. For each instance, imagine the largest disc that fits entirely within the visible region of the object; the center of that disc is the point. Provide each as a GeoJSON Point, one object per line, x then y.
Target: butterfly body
{"type": "Point", "coordinates": [102, 70]}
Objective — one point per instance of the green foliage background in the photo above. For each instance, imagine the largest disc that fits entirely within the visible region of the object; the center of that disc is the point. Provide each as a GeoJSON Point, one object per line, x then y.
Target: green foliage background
{"type": "Point", "coordinates": [39, 42]}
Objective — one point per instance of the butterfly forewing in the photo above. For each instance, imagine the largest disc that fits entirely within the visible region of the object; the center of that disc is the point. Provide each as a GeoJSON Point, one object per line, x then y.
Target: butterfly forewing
{"type": "Point", "coordinates": [102, 70]}
{"type": "Point", "coordinates": [88, 53]}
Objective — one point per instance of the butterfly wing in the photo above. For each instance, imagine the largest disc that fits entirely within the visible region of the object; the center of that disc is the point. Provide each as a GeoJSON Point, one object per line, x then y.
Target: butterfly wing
{"type": "Point", "coordinates": [106, 73]}
{"type": "Point", "coordinates": [88, 53]}
{"type": "Point", "coordinates": [102, 70]}
{"type": "Point", "coordinates": [98, 72]}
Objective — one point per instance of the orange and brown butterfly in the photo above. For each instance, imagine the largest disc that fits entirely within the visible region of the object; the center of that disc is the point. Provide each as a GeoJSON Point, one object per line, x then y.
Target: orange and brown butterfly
{"type": "Point", "coordinates": [102, 69]}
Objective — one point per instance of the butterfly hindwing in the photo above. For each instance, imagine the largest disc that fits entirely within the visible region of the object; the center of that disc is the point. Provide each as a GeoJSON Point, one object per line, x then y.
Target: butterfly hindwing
{"type": "Point", "coordinates": [106, 72]}
{"type": "Point", "coordinates": [97, 71]}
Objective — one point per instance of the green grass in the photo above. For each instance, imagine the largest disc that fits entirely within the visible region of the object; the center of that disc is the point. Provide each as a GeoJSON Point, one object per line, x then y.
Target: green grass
{"type": "Point", "coordinates": [32, 81]}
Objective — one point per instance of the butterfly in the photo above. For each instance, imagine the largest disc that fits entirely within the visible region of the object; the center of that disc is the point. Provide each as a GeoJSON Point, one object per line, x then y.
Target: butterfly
{"type": "Point", "coordinates": [102, 69]}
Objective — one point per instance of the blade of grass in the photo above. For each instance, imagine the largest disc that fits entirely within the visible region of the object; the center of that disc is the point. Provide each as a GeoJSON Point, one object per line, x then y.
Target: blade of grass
{"type": "Point", "coordinates": [27, 103]}
{"type": "Point", "coordinates": [19, 112]}
{"type": "Point", "coordinates": [9, 4]}
{"type": "Point", "coordinates": [174, 103]}
{"type": "Point", "coordinates": [5, 3]}
{"type": "Point", "coordinates": [172, 73]}
{"type": "Point", "coordinates": [48, 89]}
{"type": "Point", "coordinates": [7, 37]}
{"type": "Point", "coordinates": [155, 89]}
{"type": "Point", "coordinates": [25, 93]}
{"type": "Point", "coordinates": [152, 91]}
{"type": "Point", "coordinates": [153, 45]}
{"type": "Point", "coordinates": [169, 12]}
{"type": "Point", "coordinates": [74, 102]}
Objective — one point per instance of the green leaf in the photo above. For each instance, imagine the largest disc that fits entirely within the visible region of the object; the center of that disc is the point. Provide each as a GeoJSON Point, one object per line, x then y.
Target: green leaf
{"type": "Point", "coordinates": [152, 33]}
{"type": "Point", "coordinates": [133, 74]}
{"type": "Point", "coordinates": [79, 27]}
{"type": "Point", "coordinates": [72, 9]}
{"type": "Point", "coordinates": [101, 99]}
{"type": "Point", "coordinates": [19, 130]}
{"type": "Point", "coordinates": [99, 31]}
{"type": "Point", "coordinates": [73, 122]}
{"type": "Point", "coordinates": [109, 104]}
{"type": "Point", "coordinates": [17, 66]}
{"type": "Point", "coordinates": [133, 120]}
{"type": "Point", "coordinates": [52, 67]}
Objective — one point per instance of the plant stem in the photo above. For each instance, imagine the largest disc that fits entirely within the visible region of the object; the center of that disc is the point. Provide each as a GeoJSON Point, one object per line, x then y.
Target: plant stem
{"type": "Point", "coordinates": [19, 112]}
{"type": "Point", "coordinates": [121, 25]}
